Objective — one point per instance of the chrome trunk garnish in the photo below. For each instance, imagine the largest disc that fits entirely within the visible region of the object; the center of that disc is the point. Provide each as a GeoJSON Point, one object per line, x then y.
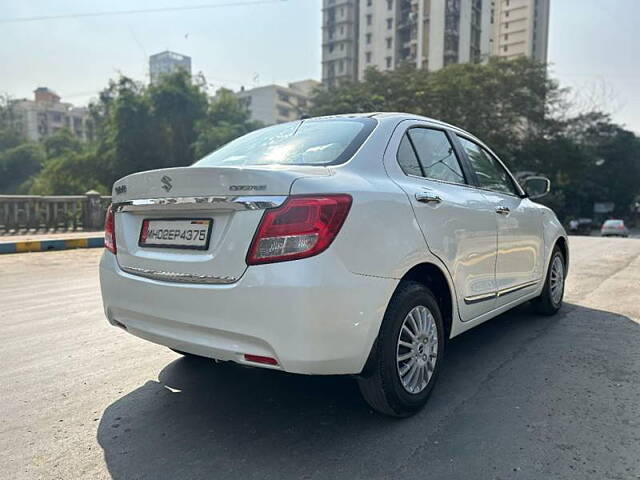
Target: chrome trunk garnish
{"type": "Point", "coordinates": [178, 277]}
{"type": "Point", "coordinates": [259, 202]}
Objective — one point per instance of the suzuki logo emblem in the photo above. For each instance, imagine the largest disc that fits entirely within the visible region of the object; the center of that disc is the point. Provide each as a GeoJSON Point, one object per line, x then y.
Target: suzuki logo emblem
{"type": "Point", "coordinates": [166, 183]}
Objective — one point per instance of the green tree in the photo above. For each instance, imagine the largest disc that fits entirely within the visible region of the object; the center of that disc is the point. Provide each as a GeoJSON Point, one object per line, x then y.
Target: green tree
{"type": "Point", "coordinates": [177, 106]}
{"type": "Point", "coordinates": [68, 167]}
{"type": "Point", "coordinates": [10, 134]}
{"type": "Point", "coordinates": [18, 164]}
{"type": "Point", "coordinates": [72, 174]}
{"type": "Point", "coordinates": [227, 118]}
{"type": "Point", "coordinates": [126, 137]}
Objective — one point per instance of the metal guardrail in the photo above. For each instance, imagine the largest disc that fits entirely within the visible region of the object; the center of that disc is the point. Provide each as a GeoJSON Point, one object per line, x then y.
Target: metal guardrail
{"type": "Point", "coordinates": [56, 213]}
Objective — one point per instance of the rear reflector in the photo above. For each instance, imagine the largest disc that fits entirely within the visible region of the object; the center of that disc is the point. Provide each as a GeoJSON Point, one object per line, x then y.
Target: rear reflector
{"type": "Point", "coordinates": [301, 227]}
{"type": "Point", "coordinates": [110, 231]}
{"type": "Point", "coordinates": [260, 359]}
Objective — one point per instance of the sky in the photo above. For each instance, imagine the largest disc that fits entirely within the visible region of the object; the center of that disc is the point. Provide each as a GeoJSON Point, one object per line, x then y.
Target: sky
{"type": "Point", "coordinates": [593, 46]}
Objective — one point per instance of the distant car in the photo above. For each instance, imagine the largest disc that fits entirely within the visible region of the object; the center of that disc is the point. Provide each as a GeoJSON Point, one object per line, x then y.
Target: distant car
{"type": "Point", "coordinates": [351, 245]}
{"type": "Point", "coordinates": [614, 228]}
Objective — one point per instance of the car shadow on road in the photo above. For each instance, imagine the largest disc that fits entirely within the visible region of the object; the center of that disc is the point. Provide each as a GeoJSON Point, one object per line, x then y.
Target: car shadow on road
{"type": "Point", "coordinates": [207, 420]}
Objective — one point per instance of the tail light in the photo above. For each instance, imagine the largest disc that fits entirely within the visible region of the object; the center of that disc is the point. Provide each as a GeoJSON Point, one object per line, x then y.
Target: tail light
{"type": "Point", "coordinates": [110, 231]}
{"type": "Point", "coordinates": [301, 227]}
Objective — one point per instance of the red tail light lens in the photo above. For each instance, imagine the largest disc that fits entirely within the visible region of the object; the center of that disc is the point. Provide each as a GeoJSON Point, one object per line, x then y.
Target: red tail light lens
{"type": "Point", "coordinates": [301, 227]}
{"type": "Point", "coordinates": [260, 359]}
{"type": "Point", "coordinates": [110, 231]}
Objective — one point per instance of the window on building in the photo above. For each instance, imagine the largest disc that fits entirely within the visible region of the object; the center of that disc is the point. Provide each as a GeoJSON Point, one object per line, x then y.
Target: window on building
{"type": "Point", "coordinates": [368, 38]}
{"type": "Point", "coordinates": [504, 49]}
{"type": "Point", "coordinates": [389, 42]}
{"type": "Point", "coordinates": [341, 66]}
{"type": "Point", "coordinates": [284, 112]}
{"type": "Point", "coordinates": [506, 13]}
{"type": "Point", "coordinates": [369, 19]}
{"type": "Point", "coordinates": [506, 37]}
{"type": "Point", "coordinates": [341, 30]}
{"type": "Point", "coordinates": [342, 46]}
{"type": "Point", "coordinates": [388, 59]}
{"type": "Point", "coordinates": [283, 97]}
{"type": "Point", "coordinates": [368, 57]}
{"type": "Point", "coordinates": [389, 23]}
{"type": "Point", "coordinates": [389, 4]}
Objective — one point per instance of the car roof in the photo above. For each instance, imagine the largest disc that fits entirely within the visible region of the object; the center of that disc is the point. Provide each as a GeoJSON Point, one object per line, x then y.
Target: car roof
{"type": "Point", "coordinates": [399, 117]}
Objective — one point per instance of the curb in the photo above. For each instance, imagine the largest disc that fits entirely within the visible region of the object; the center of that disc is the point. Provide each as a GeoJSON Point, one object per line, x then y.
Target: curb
{"type": "Point", "coordinates": [44, 245]}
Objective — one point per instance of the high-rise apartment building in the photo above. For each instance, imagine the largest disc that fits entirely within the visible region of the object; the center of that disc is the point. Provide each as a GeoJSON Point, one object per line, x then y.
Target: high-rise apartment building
{"type": "Point", "coordinates": [430, 34]}
{"type": "Point", "coordinates": [339, 41]}
{"type": "Point", "coordinates": [520, 27]}
{"type": "Point", "coordinates": [167, 62]}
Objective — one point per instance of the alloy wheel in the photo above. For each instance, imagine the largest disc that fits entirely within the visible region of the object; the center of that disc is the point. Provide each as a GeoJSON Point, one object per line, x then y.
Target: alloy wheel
{"type": "Point", "coordinates": [417, 349]}
{"type": "Point", "coordinates": [557, 280]}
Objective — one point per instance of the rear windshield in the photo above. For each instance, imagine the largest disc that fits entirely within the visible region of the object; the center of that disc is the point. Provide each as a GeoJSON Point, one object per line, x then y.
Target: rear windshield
{"type": "Point", "coordinates": [613, 223]}
{"type": "Point", "coordinates": [304, 142]}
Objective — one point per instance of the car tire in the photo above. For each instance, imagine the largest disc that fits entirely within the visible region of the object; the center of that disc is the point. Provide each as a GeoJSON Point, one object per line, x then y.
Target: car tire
{"type": "Point", "coordinates": [550, 300]}
{"type": "Point", "coordinates": [382, 385]}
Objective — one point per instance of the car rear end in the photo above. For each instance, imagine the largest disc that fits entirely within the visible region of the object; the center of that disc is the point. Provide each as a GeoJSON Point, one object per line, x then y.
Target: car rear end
{"type": "Point", "coordinates": [614, 228]}
{"type": "Point", "coordinates": [228, 262]}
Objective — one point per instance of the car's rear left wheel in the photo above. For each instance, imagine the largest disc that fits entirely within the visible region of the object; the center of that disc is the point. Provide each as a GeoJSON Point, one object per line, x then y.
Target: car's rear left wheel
{"type": "Point", "coordinates": [407, 354]}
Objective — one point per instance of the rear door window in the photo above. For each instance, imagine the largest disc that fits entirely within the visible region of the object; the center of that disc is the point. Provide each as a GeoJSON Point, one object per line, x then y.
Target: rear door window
{"type": "Point", "coordinates": [428, 153]}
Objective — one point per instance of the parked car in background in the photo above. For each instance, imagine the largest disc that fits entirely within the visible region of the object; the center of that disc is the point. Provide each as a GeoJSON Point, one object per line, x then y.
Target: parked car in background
{"type": "Point", "coordinates": [355, 244]}
{"type": "Point", "coordinates": [581, 226]}
{"type": "Point", "coordinates": [614, 228]}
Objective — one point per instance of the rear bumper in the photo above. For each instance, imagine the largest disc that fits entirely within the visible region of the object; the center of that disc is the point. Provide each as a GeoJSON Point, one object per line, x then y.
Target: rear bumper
{"type": "Point", "coordinates": [313, 316]}
{"type": "Point", "coordinates": [614, 233]}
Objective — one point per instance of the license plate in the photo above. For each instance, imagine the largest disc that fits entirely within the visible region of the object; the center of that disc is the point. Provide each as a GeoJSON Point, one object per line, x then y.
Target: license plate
{"type": "Point", "coordinates": [190, 233]}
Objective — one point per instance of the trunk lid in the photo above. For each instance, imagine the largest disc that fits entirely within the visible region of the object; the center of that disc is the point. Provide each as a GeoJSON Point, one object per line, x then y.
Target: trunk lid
{"type": "Point", "coordinates": [232, 198]}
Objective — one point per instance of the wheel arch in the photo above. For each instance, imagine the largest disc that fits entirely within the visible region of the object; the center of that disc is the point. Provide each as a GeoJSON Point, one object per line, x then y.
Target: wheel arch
{"type": "Point", "coordinates": [433, 277]}
{"type": "Point", "coordinates": [436, 279]}
{"type": "Point", "coordinates": [562, 244]}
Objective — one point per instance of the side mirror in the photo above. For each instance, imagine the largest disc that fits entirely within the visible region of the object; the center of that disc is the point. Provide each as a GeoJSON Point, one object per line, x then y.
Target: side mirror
{"type": "Point", "coordinates": [536, 187]}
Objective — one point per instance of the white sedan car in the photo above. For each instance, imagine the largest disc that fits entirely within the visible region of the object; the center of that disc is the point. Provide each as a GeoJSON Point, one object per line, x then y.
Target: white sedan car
{"type": "Point", "coordinates": [355, 244]}
{"type": "Point", "coordinates": [614, 228]}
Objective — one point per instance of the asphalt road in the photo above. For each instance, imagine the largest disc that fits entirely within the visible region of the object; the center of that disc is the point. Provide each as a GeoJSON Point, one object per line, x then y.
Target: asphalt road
{"type": "Point", "coordinates": [521, 397]}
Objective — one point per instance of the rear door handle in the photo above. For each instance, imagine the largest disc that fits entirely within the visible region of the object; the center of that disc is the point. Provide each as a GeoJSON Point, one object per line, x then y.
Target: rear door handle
{"type": "Point", "coordinates": [503, 210]}
{"type": "Point", "coordinates": [428, 197]}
